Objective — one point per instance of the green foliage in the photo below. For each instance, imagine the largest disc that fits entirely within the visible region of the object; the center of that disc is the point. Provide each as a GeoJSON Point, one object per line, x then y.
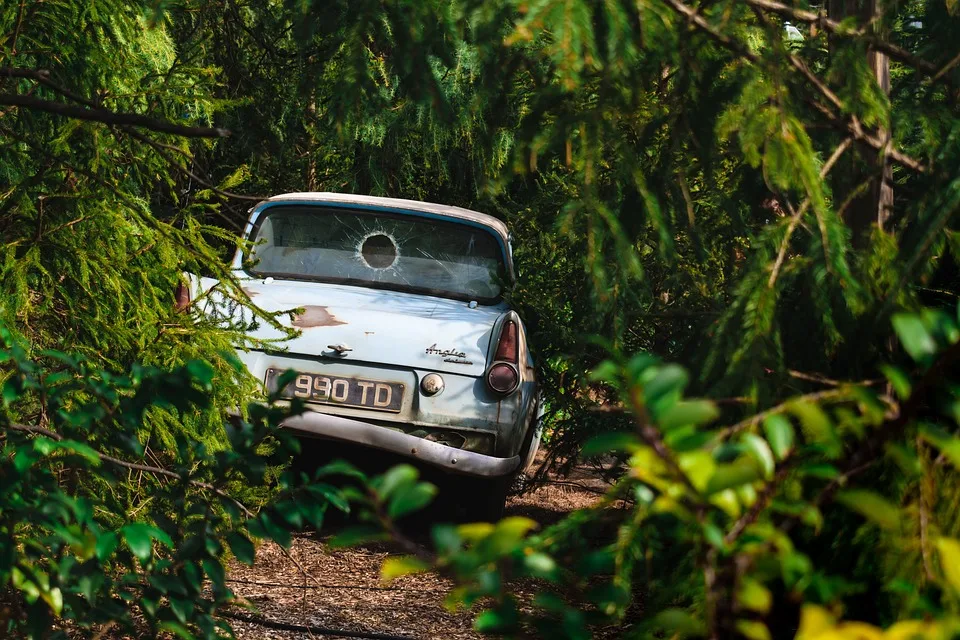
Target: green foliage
{"type": "Point", "coordinates": [95, 535]}
{"type": "Point", "coordinates": [749, 507]}
{"type": "Point", "coordinates": [681, 181]}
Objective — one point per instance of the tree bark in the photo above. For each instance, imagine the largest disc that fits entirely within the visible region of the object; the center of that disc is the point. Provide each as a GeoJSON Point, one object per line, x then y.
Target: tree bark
{"type": "Point", "coordinates": [874, 204]}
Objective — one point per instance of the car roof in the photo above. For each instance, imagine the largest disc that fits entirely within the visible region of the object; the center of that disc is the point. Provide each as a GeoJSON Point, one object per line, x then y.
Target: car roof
{"type": "Point", "coordinates": [399, 204]}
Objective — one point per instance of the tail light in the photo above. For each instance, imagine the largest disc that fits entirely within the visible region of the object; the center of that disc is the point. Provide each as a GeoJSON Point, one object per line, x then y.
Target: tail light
{"type": "Point", "coordinates": [503, 375]}
{"type": "Point", "coordinates": [502, 378]}
{"type": "Point", "coordinates": [181, 297]}
{"type": "Point", "coordinates": [507, 347]}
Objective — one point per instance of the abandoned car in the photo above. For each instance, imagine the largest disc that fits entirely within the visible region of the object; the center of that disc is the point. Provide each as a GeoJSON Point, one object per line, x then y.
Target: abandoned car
{"type": "Point", "coordinates": [405, 343]}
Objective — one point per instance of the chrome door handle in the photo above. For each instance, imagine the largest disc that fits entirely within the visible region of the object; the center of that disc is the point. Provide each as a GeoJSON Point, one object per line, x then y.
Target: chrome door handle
{"type": "Point", "coordinates": [339, 348]}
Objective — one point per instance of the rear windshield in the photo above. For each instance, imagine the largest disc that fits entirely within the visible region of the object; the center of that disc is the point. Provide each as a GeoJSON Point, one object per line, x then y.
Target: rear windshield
{"type": "Point", "coordinates": [391, 251]}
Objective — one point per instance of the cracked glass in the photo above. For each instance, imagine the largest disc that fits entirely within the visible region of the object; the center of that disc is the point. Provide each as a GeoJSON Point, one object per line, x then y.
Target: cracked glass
{"type": "Point", "coordinates": [391, 251]}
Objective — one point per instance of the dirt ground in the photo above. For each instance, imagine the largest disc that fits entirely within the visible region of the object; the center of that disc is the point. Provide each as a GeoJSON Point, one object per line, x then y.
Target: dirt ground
{"type": "Point", "coordinates": [352, 597]}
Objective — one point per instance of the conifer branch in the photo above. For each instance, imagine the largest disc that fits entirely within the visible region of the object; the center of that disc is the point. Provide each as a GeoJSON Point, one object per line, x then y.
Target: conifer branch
{"type": "Point", "coordinates": [850, 125]}
{"type": "Point", "coordinates": [798, 214]}
{"type": "Point", "coordinates": [697, 18]}
{"type": "Point", "coordinates": [110, 117]}
{"type": "Point", "coordinates": [836, 28]}
{"type": "Point", "coordinates": [134, 466]}
{"type": "Point", "coordinates": [757, 418]}
{"type": "Point", "coordinates": [866, 455]}
{"type": "Point", "coordinates": [42, 76]}
{"type": "Point", "coordinates": [159, 148]}
{"type": "Point", "coordinates": [945, 68]}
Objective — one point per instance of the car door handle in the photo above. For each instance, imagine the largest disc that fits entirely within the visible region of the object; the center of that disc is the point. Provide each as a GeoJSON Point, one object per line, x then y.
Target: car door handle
{"type": "Point", "coordinates": [339, 348]}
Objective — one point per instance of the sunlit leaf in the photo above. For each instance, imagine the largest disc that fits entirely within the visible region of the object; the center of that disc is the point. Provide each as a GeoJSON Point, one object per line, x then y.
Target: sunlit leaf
{"type": "Point", "coordinates": [753, 595]}
{"type": "Point", "coordinates": [397, 566]}
{"type": "Point", "coordinates": [898, 379]}
{"type": "Point", "coordinates": [914, 337]}
{"type": "Point", "coordinates": [949, 551]}
{"type": "Point", "coordinates": [729, 476]}
{"type": "Point", "coordinates": [758, 448]}
{"type": "Point", "coordinates": [753, 630]}
{"type": "Point", "coordinates": [872, 506]}
{"type": "Point", "coordinates": [688, 412]}
{"type": "Point", "coordinates": [409, 498]}
{"type": "Point", "coordinates": [779, 433]}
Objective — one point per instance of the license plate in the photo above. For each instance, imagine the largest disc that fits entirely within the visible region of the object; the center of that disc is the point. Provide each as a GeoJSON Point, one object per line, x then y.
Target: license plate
{"type": "Point", "coordinates": [336, 390]}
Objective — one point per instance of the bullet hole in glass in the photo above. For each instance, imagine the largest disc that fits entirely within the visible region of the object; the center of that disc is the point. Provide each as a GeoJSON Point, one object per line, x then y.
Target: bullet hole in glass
{"type": "Point", "coordinates": [378, 251]}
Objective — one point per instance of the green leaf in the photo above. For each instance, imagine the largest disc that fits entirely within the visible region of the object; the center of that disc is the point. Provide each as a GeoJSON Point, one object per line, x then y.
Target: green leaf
{"type": "Point", "coordinates": [713, 535]}
{"type": "Point", "coordinates": [11, 391]}
{"type": "Point", "coordinates": [945, 442]}
{"type": "Point", "coordinates": [914, 337]}
{"type": "Point", "coordinates": [779, 432]}
{"type": "Point", "coordinates": [411, 498]}
{"type": "Point", "coordinates": [606, 442]}
{"type": "Point", "coordinates": [816, 424]}
{"type": "Point", "coordinates": [898, 380]}
{"type": "Point", "coordinates": [139, 537]}
{"type": "Point", "coordinates": [759, 450]}
{"type": "Point", "coordinates": [54, 599]}
{"type": "Point", "coordinates": [202, 372]}
{"type": "Point", "coordinates": [753, 595]}
{"type": "Point", "coordinates": [949, 550]}
{"type": "Point", "coordinates": [819, 470]}
{"type": "Point", "coordinates": [507, 533]}
{"type": "Point", "coordinates": [331, 494]}
{"type": "Point", "coordinates": [540, 565]}
{"type": "Point", "coordinates": [688, 412]}
{"type": "Point", "coordinates": [681, 623]}
{"type": "Point", "coordinates": [872, 506]}
{"type": "Point", "coordinates": [753, 630]}
{"type": "Point", "coordinates": [474, 531]}
{"type": "Point", "coordinates": [490, 621]}
{"type": "Point", "coordinates": [178, 629]}
{"type": "Point", "coordinates": [671, 378]}
{"type": "Point", "coordinates": [106, 545]}
{"type": "Point", "coordinates": [242, 548]}
{"type": "Point", "coordinates": [728, 476]}
{"type": "Point", "coordinates": [606, 371]}
{"type": "Point", "coordinates": [83, 450]}
{"type": "Point", "coordinates": [181, 607]}
{"type": "Point", "coordinates": [339, 467]}
{"type": "Point", "coordinates": [397, 566]}
{"type": "Point", "coordinates": [398, 476]}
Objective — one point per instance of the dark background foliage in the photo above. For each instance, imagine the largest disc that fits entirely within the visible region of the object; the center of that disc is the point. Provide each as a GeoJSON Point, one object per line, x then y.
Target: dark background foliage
{"type": "Point", "coordinates": [682, 179]}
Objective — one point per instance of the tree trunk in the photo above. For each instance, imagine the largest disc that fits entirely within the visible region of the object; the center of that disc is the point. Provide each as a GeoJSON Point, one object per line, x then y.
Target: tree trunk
{"type": "Point", "coordinates": [874, 204]}
{"type": "Point", "coordinates": [311, 177]}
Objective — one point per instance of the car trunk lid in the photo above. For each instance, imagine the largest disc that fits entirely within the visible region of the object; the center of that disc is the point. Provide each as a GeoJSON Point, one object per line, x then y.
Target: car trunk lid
{"type": "Point", "coordinates": [378, 326]}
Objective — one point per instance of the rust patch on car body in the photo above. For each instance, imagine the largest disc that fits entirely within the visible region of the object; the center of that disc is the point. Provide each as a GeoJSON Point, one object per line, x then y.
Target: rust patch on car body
{"type": "Point", "coordinates": [316, 316]}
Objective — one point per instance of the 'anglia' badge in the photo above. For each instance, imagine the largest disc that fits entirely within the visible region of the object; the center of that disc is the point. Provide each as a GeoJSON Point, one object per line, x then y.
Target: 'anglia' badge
{"type": "Point", "coordinates": [448, 355]}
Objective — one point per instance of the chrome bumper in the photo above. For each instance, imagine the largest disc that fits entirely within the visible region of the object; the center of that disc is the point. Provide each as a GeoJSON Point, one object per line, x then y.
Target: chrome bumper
{"type": "Point", "coordinates": [440, 455]}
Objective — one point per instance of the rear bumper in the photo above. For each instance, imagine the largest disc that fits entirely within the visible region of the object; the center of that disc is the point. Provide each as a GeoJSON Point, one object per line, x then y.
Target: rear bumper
{"type": "Point", "coordinates": [439, 455]}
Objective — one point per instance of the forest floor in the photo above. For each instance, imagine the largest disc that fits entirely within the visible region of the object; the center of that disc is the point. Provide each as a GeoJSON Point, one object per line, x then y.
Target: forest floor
{"type": "Point", "coordinates": [352, 596]}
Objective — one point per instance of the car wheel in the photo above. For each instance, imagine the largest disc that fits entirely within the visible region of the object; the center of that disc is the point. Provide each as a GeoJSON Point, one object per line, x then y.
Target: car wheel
{"type": "Point", "coordinates": [486, 499]}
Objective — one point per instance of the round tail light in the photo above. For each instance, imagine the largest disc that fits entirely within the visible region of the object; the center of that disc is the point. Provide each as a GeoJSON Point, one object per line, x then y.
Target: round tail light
{"type": "Point", "coordinates": [502, 378]}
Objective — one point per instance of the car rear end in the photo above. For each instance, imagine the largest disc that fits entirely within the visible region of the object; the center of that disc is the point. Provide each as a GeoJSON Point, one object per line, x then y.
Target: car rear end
{"type": "Point", "coordinates": [405, 344]}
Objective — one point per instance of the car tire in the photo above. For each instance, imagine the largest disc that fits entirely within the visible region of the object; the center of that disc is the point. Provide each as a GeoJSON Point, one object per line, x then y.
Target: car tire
{"type": "Point", "coordinates": [486, 498]}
